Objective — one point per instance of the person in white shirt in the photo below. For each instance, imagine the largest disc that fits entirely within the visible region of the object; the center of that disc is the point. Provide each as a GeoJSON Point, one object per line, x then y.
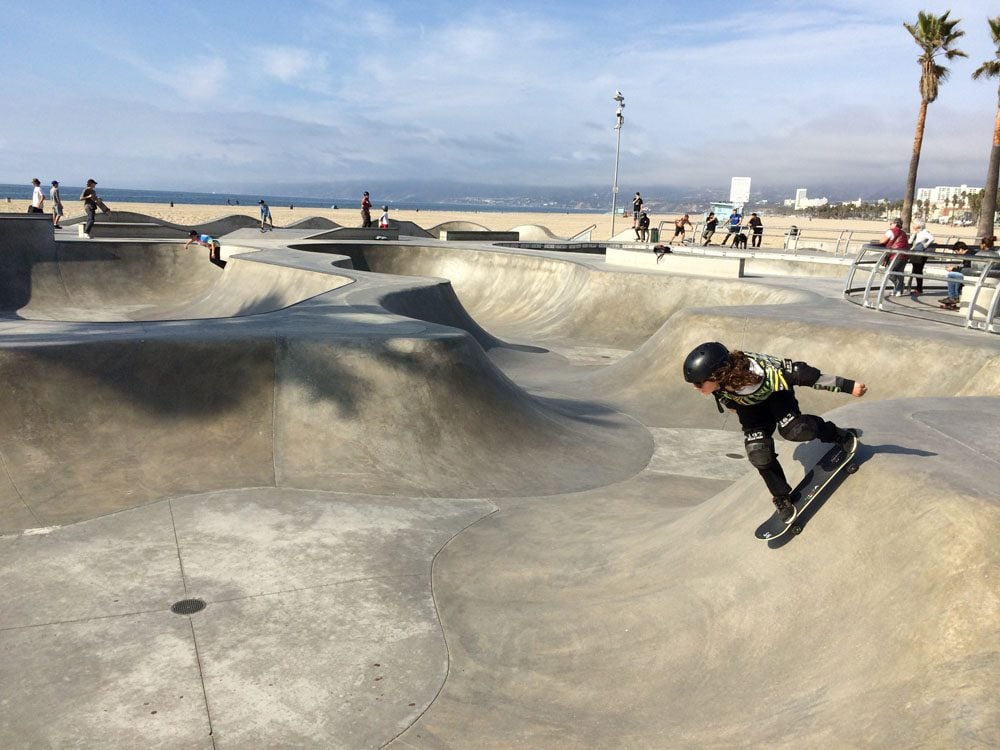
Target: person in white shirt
{"type": "Point", "coordinates": [923, 241]}
{"type": "Point", "coordinates": [37, 198]}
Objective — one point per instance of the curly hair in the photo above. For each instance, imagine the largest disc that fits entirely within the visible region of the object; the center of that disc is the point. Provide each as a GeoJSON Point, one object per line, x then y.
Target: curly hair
{"type": "Point", "coordinates": [736, 373]}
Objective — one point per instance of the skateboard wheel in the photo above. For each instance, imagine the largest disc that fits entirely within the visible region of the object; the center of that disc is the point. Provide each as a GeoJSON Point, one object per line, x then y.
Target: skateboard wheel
{"type": "Point", "coordinates": [851, 468]}
{"type": "Point", "coordinates": [796, 529]}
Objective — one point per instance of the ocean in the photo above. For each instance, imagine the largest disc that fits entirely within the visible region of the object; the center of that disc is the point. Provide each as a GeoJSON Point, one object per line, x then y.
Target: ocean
{"type": "Point", "coordinates": [121, 195]}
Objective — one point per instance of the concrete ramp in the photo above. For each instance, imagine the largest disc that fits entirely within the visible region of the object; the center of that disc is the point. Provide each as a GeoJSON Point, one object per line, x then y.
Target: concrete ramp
{"type": "Point", "coordinates": [458, 226]}
{"type": "Point", "coordinates": [874, 628]}
{"type": "Point", "coordinates": [120, 281]}
{"type": "Point", "coordinates": [416, 510]}
{"type": "Point", "coordinates": [427, 416]}
{"type": "Point", "coordinates": [546, 298]}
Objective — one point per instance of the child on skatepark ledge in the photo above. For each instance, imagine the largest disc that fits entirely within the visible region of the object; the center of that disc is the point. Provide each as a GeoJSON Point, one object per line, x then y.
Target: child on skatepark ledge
{"type": "Point", "coordinates": [761, 389]}
{"type": "Point", "coordinates": [213, 245]}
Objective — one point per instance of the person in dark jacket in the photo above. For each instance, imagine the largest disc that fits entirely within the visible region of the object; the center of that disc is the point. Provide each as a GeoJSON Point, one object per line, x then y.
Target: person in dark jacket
{"type": "Point", "coordinates": [761, 390]}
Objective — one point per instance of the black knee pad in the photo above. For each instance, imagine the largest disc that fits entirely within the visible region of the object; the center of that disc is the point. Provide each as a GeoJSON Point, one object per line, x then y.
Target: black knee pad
{"type": "Point", "coordinates": [760, 450]}
{"type": "Point", "coordinates": [799, 428]}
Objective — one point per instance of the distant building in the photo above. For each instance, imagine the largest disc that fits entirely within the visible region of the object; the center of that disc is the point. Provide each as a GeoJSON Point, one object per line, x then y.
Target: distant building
{"type": "Point", "coordinates": [944, 195]}
{"type": "Point", "coordinates": [800, 201]}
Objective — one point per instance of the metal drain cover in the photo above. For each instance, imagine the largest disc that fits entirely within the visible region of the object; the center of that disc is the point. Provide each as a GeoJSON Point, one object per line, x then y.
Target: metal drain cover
{"type": "Point", "coordinates": [187, 606]}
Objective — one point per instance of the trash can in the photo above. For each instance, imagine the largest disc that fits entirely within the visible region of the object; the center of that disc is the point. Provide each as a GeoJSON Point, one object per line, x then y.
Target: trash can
{"type": "Point", "coordinates": [654, 234]}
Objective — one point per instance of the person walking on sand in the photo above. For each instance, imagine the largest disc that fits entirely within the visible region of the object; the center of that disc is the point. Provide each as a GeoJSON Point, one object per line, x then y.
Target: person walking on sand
{"type": "Point", "coordinates": [761, 390]}
{"type": "Point", "coordinates": [265, 216]}
{"type": "Point", "coordinates": [57, 206]}
{"type": "Point", "coordinates": [37, 198]}
{"type": "Point", "coordinates": [366, 211]}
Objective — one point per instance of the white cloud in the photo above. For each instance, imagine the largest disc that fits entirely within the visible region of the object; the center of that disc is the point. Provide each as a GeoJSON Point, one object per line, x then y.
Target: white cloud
{"type": "Point", "coordinates": [288, 63]}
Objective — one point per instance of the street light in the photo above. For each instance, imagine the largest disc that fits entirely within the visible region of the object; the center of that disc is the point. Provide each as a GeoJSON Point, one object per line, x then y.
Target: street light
{"type": "Point", "coordinates": [620, 120]}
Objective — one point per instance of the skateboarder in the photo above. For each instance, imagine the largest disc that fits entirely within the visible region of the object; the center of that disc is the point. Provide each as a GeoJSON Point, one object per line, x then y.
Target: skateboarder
{"type": "Point", "coordinates": [213, 245]}
{"type": "Point", "coordinates": [760, 388]}
{"type": "Point", "coordinates": [265, 216]}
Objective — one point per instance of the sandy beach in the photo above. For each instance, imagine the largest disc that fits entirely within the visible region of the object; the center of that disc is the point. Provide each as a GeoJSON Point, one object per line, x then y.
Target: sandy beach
{"type": "Point", "coordinates": [563, 225]}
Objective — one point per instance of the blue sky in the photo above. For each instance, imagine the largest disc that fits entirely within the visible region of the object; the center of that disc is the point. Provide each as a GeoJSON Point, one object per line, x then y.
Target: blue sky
{"type": "Point", "coordinates": [229, 95]}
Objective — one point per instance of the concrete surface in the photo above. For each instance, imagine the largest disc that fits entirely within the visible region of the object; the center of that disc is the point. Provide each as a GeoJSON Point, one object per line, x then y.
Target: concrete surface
{"type": "Point", "coordinates": [455, 497]}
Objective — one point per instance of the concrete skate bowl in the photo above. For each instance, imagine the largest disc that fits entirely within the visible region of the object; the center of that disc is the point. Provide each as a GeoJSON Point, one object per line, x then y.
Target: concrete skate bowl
{"type": "Point", "coordinates": [522, 294]}
{"type": "Point", "coordinates": [615, 599]}
{"type": "Point", "coordinates": [183, 410]}
{"type": "Point", "coordinates": [874, 628]}
{"type": "Point", "coordinates": [121, 281]}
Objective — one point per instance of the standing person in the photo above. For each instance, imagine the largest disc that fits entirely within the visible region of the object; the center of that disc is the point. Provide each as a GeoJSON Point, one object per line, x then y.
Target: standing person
{"type": "Point", "coordinates": [895, 239]}
{"type": "Point", "coordinates": [37, 198]}
{"type": "Point", "coordinates": [383, 220]}
{"type": "Point", "coordinates": [57, 206]}
{"type": "Point", "coordinates": [679, 231]}
{"type": "Point", "coordinates": [90, 199]}
{"type": "Point", "coordinates": [735, 219]}
{"type": "Point", "coordinates": [923, 242]}
{"type": "Point", "coordinates": [636, 209]}
{"type": "Point", "coordinates": [761, 390]}
{"type": "Point", "coordinates": [711, 223]}
{"type": "Point", "coordinates": [366, 211]}
{"type": "Point", "coordinates": [265, 216]}
{"type": "Point", "coordinates": [757, 227]}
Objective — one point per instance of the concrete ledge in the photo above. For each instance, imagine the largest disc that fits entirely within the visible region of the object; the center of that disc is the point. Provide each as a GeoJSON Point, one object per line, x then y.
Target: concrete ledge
{"type": "Point", "coordinates": [357, 233]}
{"type": "Point", "coordinates": [132, 230]}
{"type": "Point", "coordinates": [468, 235]}
{"type": "Point", "coordinates": [691, 265]}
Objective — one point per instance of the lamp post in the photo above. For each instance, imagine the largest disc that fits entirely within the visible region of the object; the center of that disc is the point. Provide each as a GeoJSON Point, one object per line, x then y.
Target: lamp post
{"type": "Point", "coordinates": [620, 120]}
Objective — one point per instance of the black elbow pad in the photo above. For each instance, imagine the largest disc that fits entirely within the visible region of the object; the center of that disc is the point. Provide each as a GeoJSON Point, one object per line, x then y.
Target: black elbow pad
{"type": "Point", "coordinates": [803, 374]}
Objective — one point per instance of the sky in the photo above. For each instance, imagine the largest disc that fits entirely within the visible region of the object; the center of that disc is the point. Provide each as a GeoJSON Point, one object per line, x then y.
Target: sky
{"type": "Point", "coordinates": [229, 95]}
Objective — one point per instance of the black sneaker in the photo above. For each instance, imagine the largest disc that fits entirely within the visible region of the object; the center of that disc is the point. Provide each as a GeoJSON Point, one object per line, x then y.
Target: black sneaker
{"type": "Point", "coordinates": [845, 439]}
{"type": "Point", "coordinates": [786, 510]}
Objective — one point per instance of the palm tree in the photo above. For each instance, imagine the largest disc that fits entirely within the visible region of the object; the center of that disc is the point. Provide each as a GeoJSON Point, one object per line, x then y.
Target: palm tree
{"type": "Point", "coordinates": [991, 69]}
{"type": "Point", "coordinates": [935, 35]}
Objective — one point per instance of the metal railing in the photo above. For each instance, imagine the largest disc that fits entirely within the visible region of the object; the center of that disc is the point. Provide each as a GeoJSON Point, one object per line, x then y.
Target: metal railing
{"type": "Point", "coordinates": [585, 235]}
{"type": "Point", "coordinates": [873, 271]}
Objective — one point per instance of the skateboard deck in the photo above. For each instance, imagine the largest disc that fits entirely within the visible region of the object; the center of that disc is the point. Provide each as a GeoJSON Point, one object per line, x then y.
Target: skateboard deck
{"type": "Point", "coordinates": [817, 479]}
{"type": "Point", "coordinates": [102, 207]}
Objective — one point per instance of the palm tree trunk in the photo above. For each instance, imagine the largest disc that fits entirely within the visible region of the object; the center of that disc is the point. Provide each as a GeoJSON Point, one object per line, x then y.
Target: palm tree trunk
{"type": "Point", "coordinates": [911, 178]}
{"type": "Point", "coordinates": [989, 209]}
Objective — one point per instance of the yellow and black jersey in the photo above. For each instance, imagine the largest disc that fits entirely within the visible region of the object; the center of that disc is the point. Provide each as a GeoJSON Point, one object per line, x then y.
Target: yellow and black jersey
{"type": "Point", "coordinates": [780, 375]}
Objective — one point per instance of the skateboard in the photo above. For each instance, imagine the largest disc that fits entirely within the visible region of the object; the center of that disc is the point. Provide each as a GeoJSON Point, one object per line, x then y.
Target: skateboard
{"type": "Point", "coordinates": [948, 305]}
{"type": "Point", "coordinates": [102, 207]}
{"type": "Point", "coordinates": [812, 485]}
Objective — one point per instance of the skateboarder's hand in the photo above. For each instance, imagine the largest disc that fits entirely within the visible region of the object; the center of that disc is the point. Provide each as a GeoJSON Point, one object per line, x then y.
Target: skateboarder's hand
{"type": "Point", "coordinates": [860, 389]}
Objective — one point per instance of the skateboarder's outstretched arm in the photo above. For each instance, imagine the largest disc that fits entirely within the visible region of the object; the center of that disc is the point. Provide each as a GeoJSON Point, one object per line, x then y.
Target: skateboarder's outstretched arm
{"type": "Point", "coordinates": [800, 373]}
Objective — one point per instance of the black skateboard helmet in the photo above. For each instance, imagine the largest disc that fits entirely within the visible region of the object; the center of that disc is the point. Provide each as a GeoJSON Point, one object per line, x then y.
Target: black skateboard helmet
{"type": "Point", "coordinates": [704, 360]}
